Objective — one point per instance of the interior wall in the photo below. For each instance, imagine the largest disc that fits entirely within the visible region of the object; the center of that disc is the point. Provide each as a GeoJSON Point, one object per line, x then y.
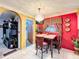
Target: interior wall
{"type": "Point", "coordinates": [34, 31]}
{"type": "Point", "coordinates": [1, 30]}
{"type": "Point", "coordinates": [52, 20]}
{"type": "Point", "coordinates": [66, 39]}
{"type": "Point", "coordinates": [23, 31]}
{"type": "Point", "coordinates": [47, 22]}
{"type": "Point", "coordinates": [1, 33]}
{"type": "Point", "coordinates": [22, 27]}
{"type": "Point", "coordinates": [78, 21]}
{"type": "Point", "coordinates": [78, 17]}
{"type": "Point", "coordinates": [29, 31]}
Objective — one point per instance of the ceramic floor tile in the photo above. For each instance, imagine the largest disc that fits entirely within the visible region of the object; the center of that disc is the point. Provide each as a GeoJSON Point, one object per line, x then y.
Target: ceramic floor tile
{"type": "Point", "coordinates": [29, 53]}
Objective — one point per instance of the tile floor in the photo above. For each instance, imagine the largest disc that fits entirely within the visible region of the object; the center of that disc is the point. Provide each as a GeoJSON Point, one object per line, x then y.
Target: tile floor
{"type": "Point", "coordinates": [3, 48]}
{"type": "Point", "coordinates": [29, 53]}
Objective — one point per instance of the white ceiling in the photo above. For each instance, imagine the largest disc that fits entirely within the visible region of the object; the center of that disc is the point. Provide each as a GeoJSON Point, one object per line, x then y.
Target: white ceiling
{"type": "Point", "coordinates": [48, 7]}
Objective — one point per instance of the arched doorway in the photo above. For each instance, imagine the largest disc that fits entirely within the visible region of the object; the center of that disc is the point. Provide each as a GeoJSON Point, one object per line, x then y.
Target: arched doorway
{"type": "Point", "coordinates": [9, 31]}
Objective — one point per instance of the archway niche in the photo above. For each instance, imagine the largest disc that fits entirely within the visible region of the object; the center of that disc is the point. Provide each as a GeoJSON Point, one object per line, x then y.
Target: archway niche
{"type": "Point", "coordinates": [11, 29]}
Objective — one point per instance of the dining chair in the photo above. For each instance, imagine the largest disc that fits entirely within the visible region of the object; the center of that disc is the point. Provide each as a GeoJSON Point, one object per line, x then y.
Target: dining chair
{"type": "Point", "coordinates": [41, 45]}
{"type": "Point", "coordinates": [57, 43]}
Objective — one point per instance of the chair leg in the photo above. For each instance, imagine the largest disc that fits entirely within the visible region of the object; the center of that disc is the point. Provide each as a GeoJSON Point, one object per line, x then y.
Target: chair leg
{"type": "Point", "coordinates": [47, 49]}
{"type": "Point", "coordinates": [36, 50]}
{"type": "Point", "coordinates": [52, 52]}
{"type": "Point", "coordinates": [42, 53]}
{"type": "Point", "coordinates": [58, 50]}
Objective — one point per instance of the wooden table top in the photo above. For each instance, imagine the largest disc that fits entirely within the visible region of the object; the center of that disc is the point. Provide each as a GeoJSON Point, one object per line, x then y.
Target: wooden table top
{"type": "Point", "coordinates": [48, 36]}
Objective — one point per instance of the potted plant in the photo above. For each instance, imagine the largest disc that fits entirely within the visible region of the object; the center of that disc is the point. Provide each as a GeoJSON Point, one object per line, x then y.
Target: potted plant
{"type": "Point", "coordinates": [76, 45]}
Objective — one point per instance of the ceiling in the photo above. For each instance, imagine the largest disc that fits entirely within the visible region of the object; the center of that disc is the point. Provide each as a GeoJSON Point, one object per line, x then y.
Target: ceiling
{"type": "Point", "coordinates": [48, 7]}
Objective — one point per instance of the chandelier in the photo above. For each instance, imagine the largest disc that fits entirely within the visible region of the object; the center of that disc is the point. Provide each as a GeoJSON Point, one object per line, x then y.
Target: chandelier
{"type": "Point", "coordinates": [39, 17]}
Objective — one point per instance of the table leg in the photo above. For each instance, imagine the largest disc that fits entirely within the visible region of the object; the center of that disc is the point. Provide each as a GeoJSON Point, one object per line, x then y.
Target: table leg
{"type": "Point", "coordinates": [51, 47]}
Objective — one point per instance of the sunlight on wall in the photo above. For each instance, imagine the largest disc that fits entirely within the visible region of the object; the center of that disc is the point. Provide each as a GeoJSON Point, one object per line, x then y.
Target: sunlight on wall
{"type": "Point", "coordinates": [23, 31]}
{"type": "Point", "coordinates": [2, 9]}
{"type": "Point", "coordinates": [34, 31]}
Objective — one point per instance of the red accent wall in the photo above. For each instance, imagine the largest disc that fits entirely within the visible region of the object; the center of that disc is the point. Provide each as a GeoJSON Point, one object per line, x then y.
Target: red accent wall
{"type": "Point", "coordinates": [66, 38]}
{"type": "Point", "coordinates": [40, 26]}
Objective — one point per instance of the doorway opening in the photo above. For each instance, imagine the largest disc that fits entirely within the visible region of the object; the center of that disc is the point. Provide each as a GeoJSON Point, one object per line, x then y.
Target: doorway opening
{"type": "Point", "coordinates": [9, 31]}
{"type": "Point", "coordinates": [29, 32]}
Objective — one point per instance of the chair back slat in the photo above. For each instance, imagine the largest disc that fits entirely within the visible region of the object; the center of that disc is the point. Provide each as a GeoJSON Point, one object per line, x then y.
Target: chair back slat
{"type": "Point", "coordinates": [39, 41]}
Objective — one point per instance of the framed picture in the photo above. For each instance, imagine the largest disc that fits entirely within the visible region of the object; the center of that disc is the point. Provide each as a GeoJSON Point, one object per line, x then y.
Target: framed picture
{"type": "Point", "coordinates": [67, 29]}
{"type": "Point", "coordinates": [67, 24]}
{"type": "Point", "coordinates": [67, 20]}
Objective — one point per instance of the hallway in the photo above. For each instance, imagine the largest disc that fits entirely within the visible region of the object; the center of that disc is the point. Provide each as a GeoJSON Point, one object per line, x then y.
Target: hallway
{"type": "Point", "coordinates": [3, 48]}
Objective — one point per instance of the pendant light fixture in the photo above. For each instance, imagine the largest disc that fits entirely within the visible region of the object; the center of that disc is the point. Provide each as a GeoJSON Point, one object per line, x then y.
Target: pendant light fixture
{"type": "Point", "coordinates": [39, 17]}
